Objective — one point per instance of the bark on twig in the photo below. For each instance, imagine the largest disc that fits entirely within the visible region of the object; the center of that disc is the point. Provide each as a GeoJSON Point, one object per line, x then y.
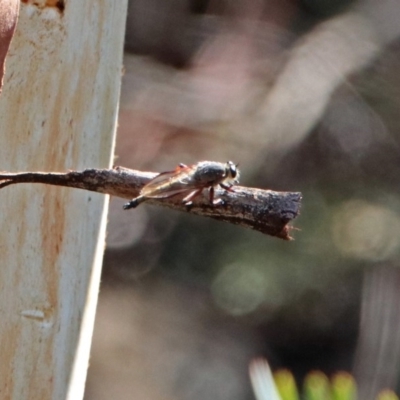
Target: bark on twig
{"type": "Point", "coordinates": [265, 211]}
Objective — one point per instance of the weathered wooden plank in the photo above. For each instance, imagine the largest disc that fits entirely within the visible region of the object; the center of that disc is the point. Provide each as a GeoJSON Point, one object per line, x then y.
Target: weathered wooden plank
{"type": "Point", "coordinates": [58, 111]}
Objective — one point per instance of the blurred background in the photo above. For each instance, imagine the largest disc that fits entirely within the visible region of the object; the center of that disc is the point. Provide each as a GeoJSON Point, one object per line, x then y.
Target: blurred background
{"type": "Point", "coordinates": [305, 96]}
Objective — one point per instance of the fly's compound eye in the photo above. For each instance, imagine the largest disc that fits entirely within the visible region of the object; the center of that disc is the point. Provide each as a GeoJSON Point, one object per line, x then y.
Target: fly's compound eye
{"type": "Point", "coordinates": [231, 169]}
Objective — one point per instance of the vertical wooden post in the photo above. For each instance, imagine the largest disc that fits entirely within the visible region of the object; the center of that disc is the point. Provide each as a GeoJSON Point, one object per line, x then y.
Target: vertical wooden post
{"type": "Point", "coordinates": [58, 111]}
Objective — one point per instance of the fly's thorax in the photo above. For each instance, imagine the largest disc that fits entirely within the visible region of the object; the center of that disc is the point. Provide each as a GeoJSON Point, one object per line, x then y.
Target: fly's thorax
{"type": "Point", "coordinates": [209, 173]}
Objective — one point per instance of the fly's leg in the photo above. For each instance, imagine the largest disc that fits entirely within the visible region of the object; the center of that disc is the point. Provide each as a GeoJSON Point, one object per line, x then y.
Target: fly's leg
{"type": "Point", "coordinates": [226, 187]}
{"type": "Point", "coordinates": [219, 201]}
{"type": "Point", "coordinates": [187, 201]}
{"type": "Point", "coordinates": [134, 202]}
{"type": "Point", "coordinates": [212, 201]}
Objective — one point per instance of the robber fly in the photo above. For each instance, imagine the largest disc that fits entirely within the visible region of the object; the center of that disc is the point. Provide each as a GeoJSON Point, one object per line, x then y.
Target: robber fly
{"type": "Point", "coordinates": [189, 180]}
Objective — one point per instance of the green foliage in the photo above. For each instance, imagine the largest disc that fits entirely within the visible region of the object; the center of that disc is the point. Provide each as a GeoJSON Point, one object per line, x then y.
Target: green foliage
{"type": "Point", "coordinates": [316, 385]}
{"type": "Point", "coordinates": [344, 386]}
{"type": "Point", "coordinates": [286, 385]}
{"type": "Point", "coordinates": [387, 395]}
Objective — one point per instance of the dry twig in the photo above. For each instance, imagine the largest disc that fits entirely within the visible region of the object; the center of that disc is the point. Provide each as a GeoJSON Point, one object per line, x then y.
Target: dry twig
{"type": "Point", "coordinates": [266, 211]}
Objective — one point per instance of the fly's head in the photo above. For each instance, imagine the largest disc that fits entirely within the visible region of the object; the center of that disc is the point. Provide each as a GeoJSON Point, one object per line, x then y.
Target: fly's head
{"type": "Point", "coordinates": [232, 173]}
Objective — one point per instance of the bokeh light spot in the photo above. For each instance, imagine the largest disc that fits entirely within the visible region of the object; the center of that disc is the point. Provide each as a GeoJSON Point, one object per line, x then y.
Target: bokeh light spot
{"type": "Point", "coordinates": [366, 231]}
{"type": "Point", "coordinates": [240, 288]}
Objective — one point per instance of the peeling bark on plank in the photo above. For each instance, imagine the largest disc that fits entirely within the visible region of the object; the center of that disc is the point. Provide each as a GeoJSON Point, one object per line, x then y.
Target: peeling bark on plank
{"type": "Point", "coordinates": [8, 21]}
{"type": "Point", "coordinates": [265, 211]}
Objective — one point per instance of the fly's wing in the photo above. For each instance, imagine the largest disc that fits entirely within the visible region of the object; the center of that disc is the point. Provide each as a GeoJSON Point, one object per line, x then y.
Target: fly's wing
{"type": "Point", "coordinates": [169, 183]}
